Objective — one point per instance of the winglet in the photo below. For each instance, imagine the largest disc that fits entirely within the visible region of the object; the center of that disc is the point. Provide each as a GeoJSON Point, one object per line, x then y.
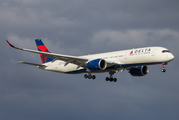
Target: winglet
{"type": "Point", "coordinates": [10, 43]}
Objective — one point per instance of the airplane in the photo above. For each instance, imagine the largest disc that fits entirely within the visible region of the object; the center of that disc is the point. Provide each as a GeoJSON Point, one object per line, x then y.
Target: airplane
{"type": "Point", "coordinates": [134, 60]}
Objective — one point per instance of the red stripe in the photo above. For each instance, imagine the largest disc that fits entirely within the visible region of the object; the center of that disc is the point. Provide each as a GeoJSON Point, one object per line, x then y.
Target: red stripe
{"type": "Point", "coordinates": [43, 48]}
{"type": "Point", "coordinates": [9, 43]}
{"type": "Point", "coordinates": [131, 52]}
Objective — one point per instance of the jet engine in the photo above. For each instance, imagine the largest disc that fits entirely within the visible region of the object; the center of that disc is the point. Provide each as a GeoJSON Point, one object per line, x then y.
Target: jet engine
{"type": "Point", "coordinates": [139, 71]}
{"type": "Point", "coordinates": [97, 64]}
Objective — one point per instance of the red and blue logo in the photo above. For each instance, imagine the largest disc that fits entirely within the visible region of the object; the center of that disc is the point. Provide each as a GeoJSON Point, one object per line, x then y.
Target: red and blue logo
{"type": "Point", "coordinates": [131, 52]}
{"type": "Point", "coordinates": [43, 48]}
{"type": "Point", "coordinates": [146, 50]}
{"type": "Point", "coordinates": [9, 43]}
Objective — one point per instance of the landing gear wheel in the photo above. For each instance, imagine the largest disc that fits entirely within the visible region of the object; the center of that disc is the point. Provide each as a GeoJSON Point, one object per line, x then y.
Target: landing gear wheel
{"type": "Point", "coordinates": [111, 79]}
{"type": "Point", "coordinates": [107, 79]}
{"type": "Point", "coordinates": [163, 70]}
{"type": "Point", "coordinates": [93, 77]}
{"type": "Point", "coordinates": [85, 76]}
{"type": "Point", "coordinates": [115, 80]}
{"type": "Point", "coordinates": [89, 76]}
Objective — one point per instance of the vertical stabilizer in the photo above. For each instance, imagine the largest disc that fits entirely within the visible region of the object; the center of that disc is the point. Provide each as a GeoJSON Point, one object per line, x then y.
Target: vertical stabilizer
{"type": "Point", "coordinates": [43, 48]}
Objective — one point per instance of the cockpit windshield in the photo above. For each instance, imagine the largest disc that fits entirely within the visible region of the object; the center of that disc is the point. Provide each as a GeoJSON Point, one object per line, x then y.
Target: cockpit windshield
{"type": "Point", "coordinates": [164, 51]}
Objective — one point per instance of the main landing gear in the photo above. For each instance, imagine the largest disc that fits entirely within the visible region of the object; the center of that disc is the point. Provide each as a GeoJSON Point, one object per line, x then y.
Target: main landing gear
{"type": "Point", "coordinates": [89, 76]}
{"type": "Point", "coordinates": [111, 79]}
{"type": "Point", "coordinates": [163, 69]}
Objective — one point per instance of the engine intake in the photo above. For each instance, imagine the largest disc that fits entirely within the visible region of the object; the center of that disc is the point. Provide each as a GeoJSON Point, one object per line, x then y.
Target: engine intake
{"type": "Point", "coordinates": [98, 64]}
{"type": "Point", "coordinates": [139, 71]}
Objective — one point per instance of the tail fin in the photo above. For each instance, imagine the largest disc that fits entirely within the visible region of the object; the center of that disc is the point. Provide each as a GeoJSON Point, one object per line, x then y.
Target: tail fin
{"type": "Point", "coordinates": [43, 48]}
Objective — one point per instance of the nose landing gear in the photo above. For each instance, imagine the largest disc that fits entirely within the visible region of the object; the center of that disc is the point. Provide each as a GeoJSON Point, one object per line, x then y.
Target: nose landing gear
{"type": "Point", "coordinates": [163, 69]}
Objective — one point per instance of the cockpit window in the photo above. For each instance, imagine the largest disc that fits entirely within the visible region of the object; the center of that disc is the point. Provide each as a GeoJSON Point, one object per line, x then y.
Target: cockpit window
{"type": "Point", "coordinates": [164, 51]}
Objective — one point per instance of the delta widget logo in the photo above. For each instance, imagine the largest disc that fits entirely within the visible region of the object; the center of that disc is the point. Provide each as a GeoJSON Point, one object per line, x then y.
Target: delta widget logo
{"type": "Point", "coordinates": [140, 51]}
{"type": "Point", "coordinates": [131, 52]}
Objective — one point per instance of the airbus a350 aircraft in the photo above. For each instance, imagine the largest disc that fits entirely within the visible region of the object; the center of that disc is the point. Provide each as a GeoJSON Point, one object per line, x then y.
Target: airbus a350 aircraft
{"type": "Point", "coordinates": [134, 60]}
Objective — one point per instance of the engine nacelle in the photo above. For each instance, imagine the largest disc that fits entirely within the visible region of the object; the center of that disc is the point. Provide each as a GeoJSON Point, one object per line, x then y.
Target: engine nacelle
{"type": "Point", "coordinates": [139, 71]}
{"type": "Point", "coordinates": [98, 64]}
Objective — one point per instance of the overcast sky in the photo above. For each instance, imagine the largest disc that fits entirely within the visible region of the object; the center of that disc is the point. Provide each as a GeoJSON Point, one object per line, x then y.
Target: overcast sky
{"type": "Point", "coordinates": [79, 27]}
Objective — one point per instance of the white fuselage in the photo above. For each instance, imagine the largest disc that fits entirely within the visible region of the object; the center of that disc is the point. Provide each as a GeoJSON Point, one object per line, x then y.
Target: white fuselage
{"type": "Point", "coordinates": [136, 57]}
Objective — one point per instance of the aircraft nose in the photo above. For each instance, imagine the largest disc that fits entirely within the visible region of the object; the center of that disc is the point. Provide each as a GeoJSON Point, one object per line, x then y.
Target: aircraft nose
{"type": "Point", "coordinates": [171, 57]}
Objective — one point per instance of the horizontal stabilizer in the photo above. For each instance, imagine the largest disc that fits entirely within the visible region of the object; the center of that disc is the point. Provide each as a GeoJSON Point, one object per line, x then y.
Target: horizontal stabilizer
{"type": "Point", "coordinates": [38, 65]}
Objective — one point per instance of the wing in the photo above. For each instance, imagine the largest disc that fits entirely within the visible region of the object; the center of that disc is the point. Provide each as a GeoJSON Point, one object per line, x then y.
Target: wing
{"type": "Point", "coordinates": [69, 59]}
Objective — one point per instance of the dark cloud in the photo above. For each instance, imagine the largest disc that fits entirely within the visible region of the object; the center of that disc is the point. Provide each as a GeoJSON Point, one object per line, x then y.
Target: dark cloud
{"type": "Point", "coordinates": [78, 27]}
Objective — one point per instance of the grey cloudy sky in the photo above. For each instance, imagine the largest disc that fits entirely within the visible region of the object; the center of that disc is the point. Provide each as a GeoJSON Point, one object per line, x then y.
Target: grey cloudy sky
{"type": "Point", "coordinates": [78, 27]}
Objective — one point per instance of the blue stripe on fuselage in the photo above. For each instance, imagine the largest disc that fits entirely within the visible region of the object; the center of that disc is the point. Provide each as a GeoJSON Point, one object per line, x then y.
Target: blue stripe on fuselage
{"type": "Point", "coordinates": [77, 71]}
{"type": "Point", "coordinates": [131, 65]}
